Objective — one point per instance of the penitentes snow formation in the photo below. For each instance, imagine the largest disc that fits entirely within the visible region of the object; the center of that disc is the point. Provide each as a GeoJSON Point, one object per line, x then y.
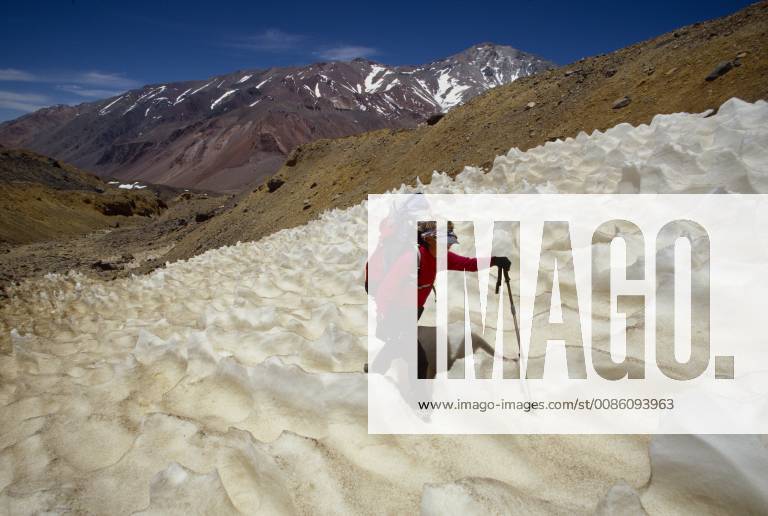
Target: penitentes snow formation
{"type": "Point", "coordinates": [232, 382]}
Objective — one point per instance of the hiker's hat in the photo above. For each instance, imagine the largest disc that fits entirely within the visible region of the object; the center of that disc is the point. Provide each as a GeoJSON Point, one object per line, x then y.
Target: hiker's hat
{"type": "Point", "coordinates": [451, 237]}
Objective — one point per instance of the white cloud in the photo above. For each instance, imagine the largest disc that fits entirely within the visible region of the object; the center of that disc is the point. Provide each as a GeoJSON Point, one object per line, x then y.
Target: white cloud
{"type": "Point", "coordinates": [92, 78]}
{"type": "Point", "coordinates": [112, 80]}
{"type": "Point", "coordinates": [24, 102]}
{"type": "Point", "coordinates": [272, 40]}
{"type": "Point", "coordinates": [11, 74]}
{"type": "Point", "coordinates": [346, 52]}
{"type": "Point", "coordinates": [85, 85]}
{"type": "Point", "coordinates": [94, 93]}
{"type": "Point", "coordinates": [277, 41]}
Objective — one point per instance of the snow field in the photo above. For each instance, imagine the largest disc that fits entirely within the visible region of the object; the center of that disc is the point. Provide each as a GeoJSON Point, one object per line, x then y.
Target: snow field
{"type": "Point", "coordinates": [231, 382]}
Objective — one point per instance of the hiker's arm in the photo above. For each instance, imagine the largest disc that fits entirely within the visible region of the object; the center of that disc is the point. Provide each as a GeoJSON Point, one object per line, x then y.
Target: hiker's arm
{"type": "Point", "coordinates": [461, 263]}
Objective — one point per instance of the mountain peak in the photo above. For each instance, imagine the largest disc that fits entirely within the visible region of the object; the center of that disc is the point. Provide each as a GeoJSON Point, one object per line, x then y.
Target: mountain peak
{"type": "Point", "coordinates": [230, 130]}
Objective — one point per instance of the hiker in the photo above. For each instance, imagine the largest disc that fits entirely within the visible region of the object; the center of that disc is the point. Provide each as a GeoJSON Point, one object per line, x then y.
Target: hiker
{"type": "Point", "coordinates": [427, 236]}
{"type": "Point", "coordinates": [391, 293]}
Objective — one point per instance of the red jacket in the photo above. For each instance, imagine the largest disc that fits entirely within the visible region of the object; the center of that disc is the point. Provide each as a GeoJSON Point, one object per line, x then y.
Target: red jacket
{"type": "Point", "coordinates": [428, 270]}
{"type": "Point", "coordinates": [392, 286]}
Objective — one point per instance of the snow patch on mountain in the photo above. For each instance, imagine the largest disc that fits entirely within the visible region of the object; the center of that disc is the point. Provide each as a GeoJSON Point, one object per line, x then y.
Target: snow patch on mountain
{"type": "Point", "coordinates": [155, 92]}
{"type": "Point", "coordinates": [372, 84]}
{"type": "Point", "coordinates": [201, 88]}
{"type": "Point", "coordinates": [265, 81]}
{"type": "Point", "coordinates": [103, 111]}
{"type": "Point", "coordinates": [132, 186]}
{"type": "Point", "coordinates": [220, 99]}
{"type": "Point", "coordinates": [449, 91]}
{"type": "Point", "coordinates": [152, 92]}
{"type": "Point", "coordinates": [180, 98]}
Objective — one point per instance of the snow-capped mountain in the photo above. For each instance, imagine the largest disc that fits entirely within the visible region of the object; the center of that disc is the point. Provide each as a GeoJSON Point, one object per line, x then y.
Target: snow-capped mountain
{"type": "Point", "coordinates": [455, 79]}
{"type": "Point", "coordinates": [228, 131]}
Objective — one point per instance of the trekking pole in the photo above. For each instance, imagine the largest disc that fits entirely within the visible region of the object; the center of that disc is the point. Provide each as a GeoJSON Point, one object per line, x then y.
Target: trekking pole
{"type": "Point", "coordinates": [511, 304]}
{"type": "Point", "coordinates": [523, 383]}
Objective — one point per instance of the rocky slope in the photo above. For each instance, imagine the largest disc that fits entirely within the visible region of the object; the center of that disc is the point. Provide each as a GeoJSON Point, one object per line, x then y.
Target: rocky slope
{"type": "Point", "coordinates": [56, 218]}
{"type": "Point", "coordinates": [45, 199]}
{"type": "Point", "coordinates": [231, 130]}
{"type": "Point", "coordinates": [666, 74]}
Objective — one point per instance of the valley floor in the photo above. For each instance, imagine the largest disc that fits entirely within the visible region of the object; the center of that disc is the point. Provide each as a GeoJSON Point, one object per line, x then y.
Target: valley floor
{"type": "Point", "coordinates": [135, 245]}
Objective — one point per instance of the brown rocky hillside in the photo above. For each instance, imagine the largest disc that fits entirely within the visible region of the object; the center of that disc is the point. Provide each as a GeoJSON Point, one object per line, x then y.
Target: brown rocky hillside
{"type": "Point", "coordinates": [663, 75]}
{"type": "Point", "coordinates": [44, 199]}
{"type": "Point", "coordinates": [57, 218]}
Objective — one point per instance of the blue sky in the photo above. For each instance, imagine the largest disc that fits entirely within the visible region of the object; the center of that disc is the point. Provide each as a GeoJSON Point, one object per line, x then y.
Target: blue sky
{"type": "Point", "coordinates": [72, 51]}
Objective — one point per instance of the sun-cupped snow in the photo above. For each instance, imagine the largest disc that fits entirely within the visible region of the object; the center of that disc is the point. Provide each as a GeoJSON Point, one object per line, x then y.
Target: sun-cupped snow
{"type": "Point", "coordinates": [220, 99]}
{"type": "Point", "coordinates": [232, 381]}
